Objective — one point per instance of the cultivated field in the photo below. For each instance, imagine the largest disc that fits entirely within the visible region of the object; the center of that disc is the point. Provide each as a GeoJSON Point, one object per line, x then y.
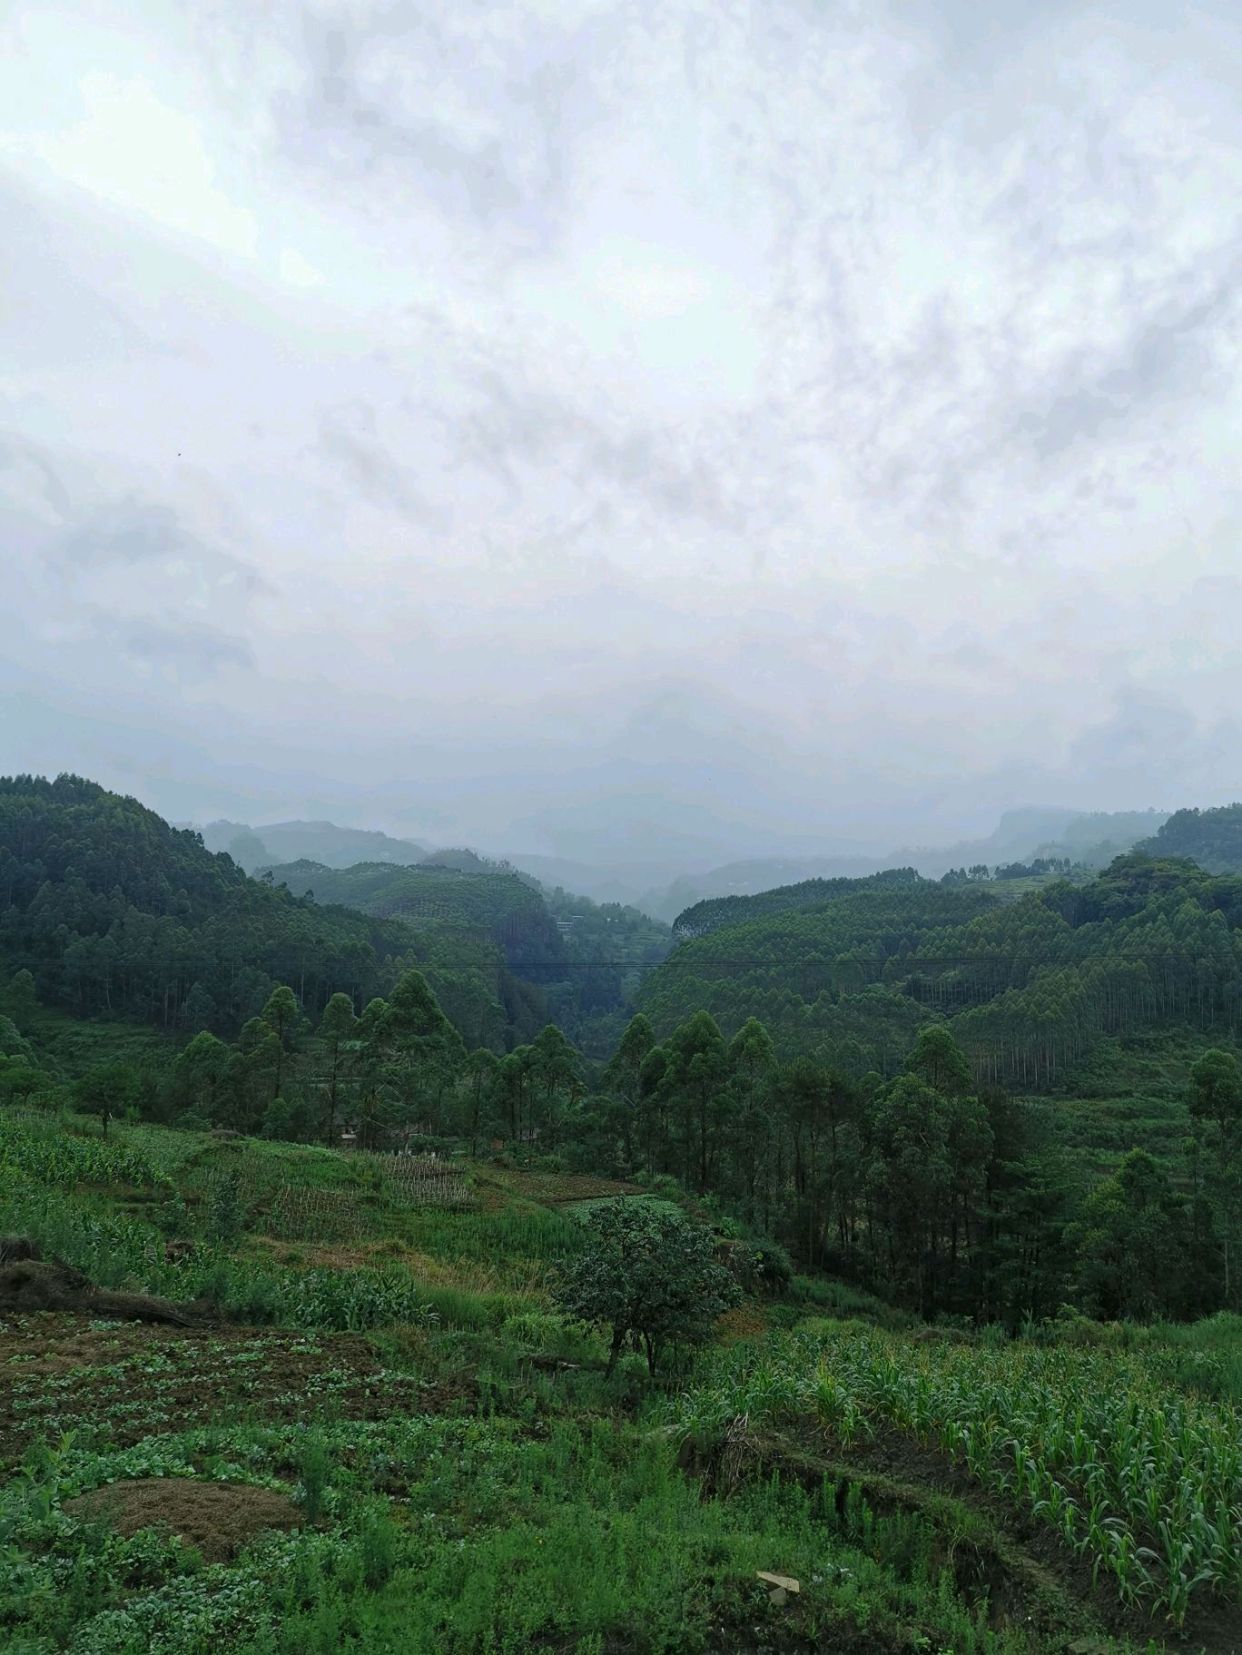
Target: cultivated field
{"type": "Point", "coordinates": [371, 1431]}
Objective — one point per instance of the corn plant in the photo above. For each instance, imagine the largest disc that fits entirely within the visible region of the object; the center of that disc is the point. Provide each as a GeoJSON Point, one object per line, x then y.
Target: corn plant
{"type": "Point", "coordinates": [1143, 1483]}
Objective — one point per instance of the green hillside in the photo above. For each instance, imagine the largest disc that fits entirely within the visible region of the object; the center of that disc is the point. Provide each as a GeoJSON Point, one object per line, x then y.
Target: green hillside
{"type": "Point", "coordinates": [1030, 986]}
{"type": "Point", "coordinates": [715, 912]}
{"type": "Point", "coordinates": [115, 913]}
{"type": "Point", "coordinates": [501, 907]}
{"type": "Point", "coordinates": [546, 954]}
{"type": "Point", "coordinates": [890, 1190]}
{"type": "Point", "coordinates": [1212, 838]}
{"type": "Point", "coordinates": [370, 1425]}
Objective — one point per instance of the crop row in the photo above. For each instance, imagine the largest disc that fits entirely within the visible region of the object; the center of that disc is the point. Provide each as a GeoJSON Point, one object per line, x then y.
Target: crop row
{"type": "Point", "coordinates": [1144, 1484]}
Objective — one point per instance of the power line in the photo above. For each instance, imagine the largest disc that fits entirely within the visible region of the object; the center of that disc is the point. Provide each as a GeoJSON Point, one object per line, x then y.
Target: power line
{"type": "Point", "coordinates": [914, 961]}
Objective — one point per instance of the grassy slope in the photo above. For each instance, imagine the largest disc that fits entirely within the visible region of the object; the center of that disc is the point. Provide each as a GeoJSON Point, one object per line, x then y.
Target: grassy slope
{"type": "Point", "coordinates": [467, 1477]}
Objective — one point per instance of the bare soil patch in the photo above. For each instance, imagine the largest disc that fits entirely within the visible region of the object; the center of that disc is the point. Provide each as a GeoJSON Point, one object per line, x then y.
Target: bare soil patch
{"type": "Point", "coordinates": [216, 1518]}
{"type": "Point", "coordinates": [32, 1283]}
{"type": "Point", "coordinates": [746, 1321]}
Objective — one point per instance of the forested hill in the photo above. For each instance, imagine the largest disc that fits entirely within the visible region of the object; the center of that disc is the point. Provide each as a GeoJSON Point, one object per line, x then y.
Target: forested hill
{"type": "Point", "coordinates": [1030, 986]}
{"type": "Point", "coordinates": [714, 912]}
{"type": "Point", "coordinates": [1212, 838]}
{"type": "Point", "coordinates": [502, 907]}
{"type": "Point", "coordinates": [114, 911]}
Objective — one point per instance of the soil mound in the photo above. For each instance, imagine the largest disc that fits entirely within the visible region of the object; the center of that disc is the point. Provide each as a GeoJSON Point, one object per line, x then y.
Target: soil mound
{"type": "Point", "coordinates": [216, 1518]}
{"type": "Point", "coordinates": [33, 1283]}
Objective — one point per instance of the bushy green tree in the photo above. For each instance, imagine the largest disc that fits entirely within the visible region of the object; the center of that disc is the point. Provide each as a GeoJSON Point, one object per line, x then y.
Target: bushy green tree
{"type": "Point", "coordinates": [198, 1077]}
{"type": "Point", "coordinates": [1131, 1243]}
{"type": "Point", "coordinates": [647, 1273]}
{"type": "Point", "coordinates": [107, 1090]}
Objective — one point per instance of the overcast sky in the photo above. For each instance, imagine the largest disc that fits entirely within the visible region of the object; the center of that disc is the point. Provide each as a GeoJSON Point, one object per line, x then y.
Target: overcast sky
{"type": "Point", "coordinates": [588, 425]}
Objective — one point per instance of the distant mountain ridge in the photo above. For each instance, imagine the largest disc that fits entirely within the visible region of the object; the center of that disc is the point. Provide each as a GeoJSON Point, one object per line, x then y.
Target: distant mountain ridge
{"type": "Point", "coordinates": [114, 912]}
{"type": "Point", "coordinates": [495, 905]}
{"type": "Point", "coordinates": [324, 842]}
{"type": "Point", "coordinates": [1091, 837]}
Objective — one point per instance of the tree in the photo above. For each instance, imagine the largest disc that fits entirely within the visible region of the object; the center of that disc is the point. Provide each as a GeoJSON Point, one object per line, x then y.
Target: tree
{"type": "Point", "coordinates": [19, 996]}
{"type": "Point", "coordinates": [751, 1065]}
{"type": "Point", "coordinates": [281, 1016]}
{"type": "Point", "coordinates": [622, 1077]}
{"type": "Point", "coordinates": [423, 1049]}
{"type": "Point", "coordinates": [1216, 1108]}
{"type": "Point", "coordinates": [253, 1075]}
{"type": "Point", "coordinates": [1131, 1243]}
{"type": "Point", "coordinates": [938, 1060]}
{"type": "Point", "coordinates": [481, 1068]}
{"type": "Point", "coordinates": [649, 1273]}
{"type": "Point", "coordinates": [337, 1029]}
{"type": "Point", "coordinates": [693, 1083]}
{"type": "Point", "coordinates": [557, 1074]}
{"type": "Point", "coordinates": [927, 1177]}
{"type": "Point", "coordinates": [107, 1090]}
{"type": "Point", "coordinates": [199, 1011]}
{"type": "Point", "coordinates": [198, 1075]}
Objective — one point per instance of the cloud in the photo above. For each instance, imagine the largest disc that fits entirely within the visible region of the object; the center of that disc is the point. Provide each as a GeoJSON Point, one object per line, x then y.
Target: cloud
{"type": "Point", "coordinates": [123, 578]}
{"type": "Point", "coordinates": [185, 651]}
{"type": "Point", "coordinates": [424, 105]}
{"type": "Point", "coordinates": [822, 422]}
{"type": "Point", "coordinates": [520, 434]}
{"type": "Point", "coordinates": [131, 531]}
{"type": "Point", "coordinates": [349, 437]}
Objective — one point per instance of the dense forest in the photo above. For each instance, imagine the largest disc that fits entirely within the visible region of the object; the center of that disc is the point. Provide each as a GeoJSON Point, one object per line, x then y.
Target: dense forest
{"type": "Point", "coordinates": [1030, 985]}
{"type": "Point", "coordinates": [114, 912]}
{"type": "Point", "coordinates": [1007, 1104]}
{"type": "Point", "coordinates": [552, 953]}
{"type": "Point", "coordinates": [500, 906]}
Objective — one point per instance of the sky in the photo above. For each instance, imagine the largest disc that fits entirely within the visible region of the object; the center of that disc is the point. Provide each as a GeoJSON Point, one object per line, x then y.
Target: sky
{"type": "Point", "coordinates": [622, 429]}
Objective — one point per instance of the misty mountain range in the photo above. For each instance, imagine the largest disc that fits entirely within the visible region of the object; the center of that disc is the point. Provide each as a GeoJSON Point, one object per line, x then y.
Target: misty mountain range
{"type": "Point", "coordinates": [665, 885]}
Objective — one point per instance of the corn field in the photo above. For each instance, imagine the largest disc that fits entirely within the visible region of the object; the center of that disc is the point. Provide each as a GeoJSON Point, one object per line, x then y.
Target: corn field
{"type": "Point", "coordinates": [299, 1213]}
{"type": "Point", "coordinates": [1141, 1482]}
{"type": "Point", "coordinates": [59, 1160]}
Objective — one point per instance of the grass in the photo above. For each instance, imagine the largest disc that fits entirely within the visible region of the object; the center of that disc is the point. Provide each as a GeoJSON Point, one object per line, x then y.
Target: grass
{"type": "Point", "coordinates": [1131, 1093]}
{"type": "Point", "coordinates": [498, 1540]}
